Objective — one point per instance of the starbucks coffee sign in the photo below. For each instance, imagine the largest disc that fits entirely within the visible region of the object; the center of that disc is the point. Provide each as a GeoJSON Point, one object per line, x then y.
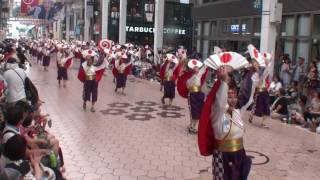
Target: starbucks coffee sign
{"type": "Point", "coordinates": [140, 29]}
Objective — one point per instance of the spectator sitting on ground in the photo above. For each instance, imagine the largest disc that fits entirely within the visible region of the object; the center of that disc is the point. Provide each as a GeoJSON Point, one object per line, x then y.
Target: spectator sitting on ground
{"type": "Point", "coordinates": [294, 92]}
{"type": "Point", "coordinates": [280, 106]}
{"type": "Point", "coordinates": [313, 110]}
{"type": "Point", "coordinates": [275, 85]}
{"type": "Point", "coordinates": [298, 111]}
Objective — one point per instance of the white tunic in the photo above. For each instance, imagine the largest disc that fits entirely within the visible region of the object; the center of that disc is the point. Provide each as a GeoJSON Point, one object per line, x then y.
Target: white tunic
{"type": "Point", "coordinates": [195, 80]}
{"type": "Point", "coordinates": [221, 122]}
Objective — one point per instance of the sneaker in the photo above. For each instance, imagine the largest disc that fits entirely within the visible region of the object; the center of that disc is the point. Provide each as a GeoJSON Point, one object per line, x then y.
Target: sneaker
{"type": "Point", "coordinates": [264, 126]}
{"type": "Point", "coordinates": [193, 130]}
{"type": "Point", "coordinates": [92, 109]}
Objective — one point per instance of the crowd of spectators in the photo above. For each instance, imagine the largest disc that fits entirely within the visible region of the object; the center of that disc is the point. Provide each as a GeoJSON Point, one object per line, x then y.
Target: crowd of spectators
{"type": "Point", "coordinates": [296, 93]}
{"type": "Point", "coordinates": [27, 150]}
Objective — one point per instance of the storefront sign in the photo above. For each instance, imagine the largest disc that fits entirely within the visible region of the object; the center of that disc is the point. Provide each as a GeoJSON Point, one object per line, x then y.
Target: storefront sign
{"type": "Point", "coordinates": [140, 29]}
{"type": "Point", "coordinates": [235, 28]}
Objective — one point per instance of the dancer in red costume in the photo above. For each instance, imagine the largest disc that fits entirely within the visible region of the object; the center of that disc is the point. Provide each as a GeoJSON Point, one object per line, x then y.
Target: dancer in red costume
{"type": "Point", "coordinates": [122, 68]}
{"type": "Point", "coordinates": [90, 75]}
{"type": "Point", "coordinates": [189, 86]}
{"type": "Point", "coordinates": [64, 62]}
{"type": "Point", "coordinates": [169, 73]}
{"type": "Point", "coordinates": [221, 128]}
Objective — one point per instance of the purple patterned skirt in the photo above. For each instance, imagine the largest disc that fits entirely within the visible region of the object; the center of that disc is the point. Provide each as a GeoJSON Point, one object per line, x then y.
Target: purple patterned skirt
{"type": "Point", "coordinates": [196, 100]}
{"type": "Point", "coordinates": [46, 61]}
{"type": "Point", "coordinates": [262, 104]}
{"type": "Point", "coordinates": [90, 90]}
{"type": "Point", "coordinates": [121, 80]}
{"type": "Point", "coordinates": [231, 165]}
{"type": "Point", "coordinates": [62, 73]}
{"type": "Point", "coordinates": [169, 89]}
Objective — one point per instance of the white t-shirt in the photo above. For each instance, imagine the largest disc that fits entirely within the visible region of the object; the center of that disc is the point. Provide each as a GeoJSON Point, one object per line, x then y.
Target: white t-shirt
{"type": "Point", "coordinates": [274, 87]}
{"type": "Point", "coordinates": [15, 84]}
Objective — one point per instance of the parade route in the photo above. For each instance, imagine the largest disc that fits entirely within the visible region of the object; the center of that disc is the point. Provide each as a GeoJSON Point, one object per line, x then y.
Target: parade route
{"type": "Point", "coordinates": [135, 137]}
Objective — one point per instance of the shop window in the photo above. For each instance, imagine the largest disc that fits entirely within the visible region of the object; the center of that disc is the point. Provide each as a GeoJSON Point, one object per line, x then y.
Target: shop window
{"type": "Point", "coordinates": [246, 26]}
{"type": "Point", "coordinates": [288, 47]}
{"type": "Point", "coordinates": [316, 25]}
{"type": "Point", "coordinates": [205, 52]}
{"type": "Point", "coordinates": [206, 28]}
{"type": "Point", "coordinates": [149, 8]}
{"type": "Point", "coordinates": [315, 48]}
{"type": "Point", "coordinates": [302, 49]}
{"type": "Point", "coordinates": [198, 45]}
{"type": "Point", "coordinates": [199, 29]}
{"type": "Point", "coordinates": [178, 14]}
{"type": "Point", "coordinates": [214, 27]}
{"type": "Point", "coordinates": [224, 26]}
{"type": "Point", "coordinates": [288, 26]}
{"type": "Point", "coordinates": [134, 9]}
{"type": "Point", "coordinates": [304, 25]}
{"type": "Point", "coordinates": [257, 26]}
{"type": "Point", "coordinates": [115, 12]}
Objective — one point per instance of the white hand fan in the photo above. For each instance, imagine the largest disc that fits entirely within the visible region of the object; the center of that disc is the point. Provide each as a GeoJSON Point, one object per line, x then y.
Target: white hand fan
{"type": "Point", "coordinates": [105, 44]}
{"type": "Point", "coordinates": [89, 52]}
{"type": "Point", "coordinates": [173, 58]}
{"type": "Point", "coordinates": [210, 63]}
{"type": "Point", "coordinates": [232, 59]}
{"type": "Point", "coordinates": [255, 54]}
{"type": "Point", "coordinates": [267, 56]}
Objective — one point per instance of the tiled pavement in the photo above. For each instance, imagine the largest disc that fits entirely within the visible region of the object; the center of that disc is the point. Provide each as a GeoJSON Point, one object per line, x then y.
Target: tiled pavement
{"type": "Point", "coordinates": [133, 137]}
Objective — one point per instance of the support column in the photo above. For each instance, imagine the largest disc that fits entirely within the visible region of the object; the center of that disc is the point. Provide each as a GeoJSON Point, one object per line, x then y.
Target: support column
{"type": "Point", "coordinates": [269, 29]}
{"type": "Point", "coordinates": [123, 21]}
{"type": "Point", "coordinates": [68, 23]}
{"type": "Point", "coordinates": [59, 30]}
{"type": "Point", "coordinates": [86, 22]}
{"type": "Point", "coordinates": [158, 25]}
{"type": "Point", "coordinates": [105, 18]}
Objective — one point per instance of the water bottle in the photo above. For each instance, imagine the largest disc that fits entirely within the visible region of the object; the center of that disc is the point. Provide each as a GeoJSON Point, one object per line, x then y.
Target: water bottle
{"type": "Point", "coordinates": [53, 160]}
{"type": "Point", "coordinates": [289, 120]}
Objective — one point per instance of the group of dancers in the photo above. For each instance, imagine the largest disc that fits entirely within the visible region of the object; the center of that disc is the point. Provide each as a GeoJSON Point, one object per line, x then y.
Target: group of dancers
{"type": "Point", "coordinates": [215, 115]}
{"type": "Point", "coordinates": [94, 61]}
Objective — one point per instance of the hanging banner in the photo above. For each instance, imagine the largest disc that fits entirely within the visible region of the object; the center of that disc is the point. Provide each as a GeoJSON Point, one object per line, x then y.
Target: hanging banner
{"type": "Point", "coordinates": [39, 9]}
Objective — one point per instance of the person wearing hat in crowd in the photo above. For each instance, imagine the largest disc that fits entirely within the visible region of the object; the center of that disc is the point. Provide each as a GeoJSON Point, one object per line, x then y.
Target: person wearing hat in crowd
{"type": "Point", "coordinates": [90, 75]}
{"type": "Point", "coordinates": [221, 128]}
{"type": "Point", "coordinates": [169, 73]}
{"type": "Point", "coordinates": [189, 85]}
{"type": "Point", "coordinates": [64, 61]}
{"type": "Point", "coordinates": [122, 68]}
